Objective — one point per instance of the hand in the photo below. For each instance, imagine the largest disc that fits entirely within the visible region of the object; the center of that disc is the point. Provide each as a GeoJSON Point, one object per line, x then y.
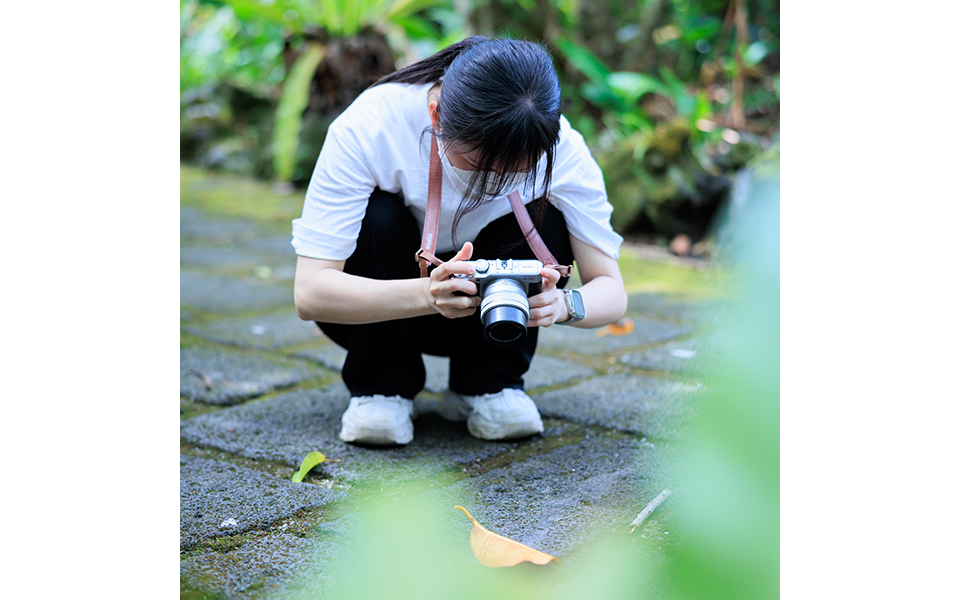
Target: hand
{"type": "Point", "coordinates": [441, 289]}
{"type": "Point", "coordinates": [549, 306]}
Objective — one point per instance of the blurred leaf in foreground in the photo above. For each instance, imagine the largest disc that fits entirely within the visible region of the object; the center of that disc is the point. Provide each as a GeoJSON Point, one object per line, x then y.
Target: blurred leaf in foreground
{"type": "Point", "coordinates": [494, 550]}
{"type": "Point", "coordinates": [731, 527]}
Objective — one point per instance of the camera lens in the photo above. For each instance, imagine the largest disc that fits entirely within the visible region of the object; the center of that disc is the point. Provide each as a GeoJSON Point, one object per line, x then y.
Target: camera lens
{"type": "Point", "coordinates": [505, 325]}
{"type": "Point", "coordinates": [504, 312]}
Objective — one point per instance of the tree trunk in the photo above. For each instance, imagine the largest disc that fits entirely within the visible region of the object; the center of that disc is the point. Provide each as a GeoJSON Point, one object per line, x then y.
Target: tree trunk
{"type": "Point", "coordinates": [349, 67]}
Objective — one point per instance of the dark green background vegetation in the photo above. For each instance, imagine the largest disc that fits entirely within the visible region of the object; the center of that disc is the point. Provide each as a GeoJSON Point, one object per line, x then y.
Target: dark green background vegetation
{"type": "Point", "coordinates": [673, 96]}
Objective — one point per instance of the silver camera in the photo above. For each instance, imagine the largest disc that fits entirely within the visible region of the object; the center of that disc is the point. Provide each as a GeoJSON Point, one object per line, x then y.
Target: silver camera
{"type": "Point", "coordinates": [505, 286]}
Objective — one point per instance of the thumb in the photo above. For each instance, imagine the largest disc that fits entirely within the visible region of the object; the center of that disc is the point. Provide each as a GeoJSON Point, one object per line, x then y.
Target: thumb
{"type": "Point", "coordinates": [550, 278]}
{"type": "Point", "coordinates": [465, 253]}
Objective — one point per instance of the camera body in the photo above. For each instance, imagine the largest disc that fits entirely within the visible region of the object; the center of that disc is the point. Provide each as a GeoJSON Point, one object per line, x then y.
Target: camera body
{"type": "Point", "coordinates": [505, 286]}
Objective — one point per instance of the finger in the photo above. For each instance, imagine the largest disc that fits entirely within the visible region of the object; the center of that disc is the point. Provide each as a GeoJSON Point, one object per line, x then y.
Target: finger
{"type": "Point", "coordinates": [465, 252]}
{"type": "Point", "coordinates": [455, 265]}
{"type": "Point", "coordinates": [541, 316]}
{"type": "Point", "coordinates": [543, 299]}
{"type": "Point", "coordinates": [458, 302]}
{"type": "Point", "coordinates": [540, 322]}
{"type": "Point", "coordinates": [550, 278]}
{"type": "Point", "coordinates": [448, 269]}
{"type": "Point", "coordinates": [449, 287]}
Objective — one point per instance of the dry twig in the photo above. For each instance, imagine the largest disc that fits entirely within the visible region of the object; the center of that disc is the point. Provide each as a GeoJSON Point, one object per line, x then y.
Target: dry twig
{"type": "Point", "coordinates": [206, 380]}
{"type": "Point", "coordinates": [649, 509]}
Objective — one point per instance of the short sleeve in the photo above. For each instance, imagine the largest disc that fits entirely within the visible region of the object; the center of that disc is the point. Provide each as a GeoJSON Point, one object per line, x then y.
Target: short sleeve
{"type": "Point", "coordinates": [336, 199]}
{"type": "Point", "coordinates": [578, 191]}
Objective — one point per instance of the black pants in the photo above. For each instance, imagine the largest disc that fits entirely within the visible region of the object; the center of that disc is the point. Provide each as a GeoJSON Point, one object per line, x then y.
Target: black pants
{"type": "Point", "coordinates": [385, 358]}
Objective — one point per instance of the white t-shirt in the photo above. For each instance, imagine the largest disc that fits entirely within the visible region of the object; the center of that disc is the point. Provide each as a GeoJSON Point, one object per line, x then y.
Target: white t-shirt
{"type": "Point", "coordinates": [380, 141]}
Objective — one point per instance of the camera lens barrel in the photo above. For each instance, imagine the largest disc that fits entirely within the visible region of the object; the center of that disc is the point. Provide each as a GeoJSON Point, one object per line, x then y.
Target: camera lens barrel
{"type": "Point", "coordinates": [504, 312]}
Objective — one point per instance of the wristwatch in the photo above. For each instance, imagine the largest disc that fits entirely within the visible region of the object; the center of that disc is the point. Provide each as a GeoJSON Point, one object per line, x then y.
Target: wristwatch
{"type": "Point", "coordinates": [574, 307]}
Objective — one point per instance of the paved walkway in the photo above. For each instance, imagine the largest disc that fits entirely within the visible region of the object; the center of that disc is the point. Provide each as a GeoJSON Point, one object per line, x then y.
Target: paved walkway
{"type": "Point", "coordinates": [259, 389]}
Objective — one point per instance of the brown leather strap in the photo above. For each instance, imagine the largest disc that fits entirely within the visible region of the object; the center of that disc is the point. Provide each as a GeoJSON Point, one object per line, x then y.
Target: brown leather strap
{"type": "Point", "coordinates": [423, 255]}
{"type": "Point", "coordinates": [533, 236]}
{"type": "Point", "coordinates": [431, 222]}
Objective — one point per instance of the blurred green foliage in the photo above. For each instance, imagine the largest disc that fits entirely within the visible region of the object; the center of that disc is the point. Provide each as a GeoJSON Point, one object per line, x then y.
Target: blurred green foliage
{"type": "Point", "coordinates": [724, 512]}
{"type": "Point", "coordinates": [217, 46]}
{"type": "Point", "coordinates": [731, 530]}
{"type": "Point", "coordinates": [293, 101]}
{"type": "Point", "coordinates": [338, 18]}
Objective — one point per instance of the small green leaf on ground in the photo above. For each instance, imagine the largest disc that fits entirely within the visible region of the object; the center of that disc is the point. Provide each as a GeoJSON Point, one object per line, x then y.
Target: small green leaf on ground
{"type": "Point", "coordinates": [309, 461]}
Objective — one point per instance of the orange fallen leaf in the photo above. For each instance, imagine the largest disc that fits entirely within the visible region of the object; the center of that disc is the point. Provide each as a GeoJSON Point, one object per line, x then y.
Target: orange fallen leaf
{"type": "Point", "coordinates": [494, 550]}
{"type": "Point", "coordinates": [621, 327]}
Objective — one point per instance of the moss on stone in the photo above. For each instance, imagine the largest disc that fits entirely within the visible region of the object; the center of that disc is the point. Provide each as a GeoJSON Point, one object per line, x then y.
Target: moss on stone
{"type": "Point", "coordinates": [640, 275]}
{"type": "Point", "coordinates": [235, 196]}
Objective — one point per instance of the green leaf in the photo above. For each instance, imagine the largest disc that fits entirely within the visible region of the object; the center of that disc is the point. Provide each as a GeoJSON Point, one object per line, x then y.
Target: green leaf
{"type": "Point", "coordinates": [404, 8]}
{"type": "Point", "coordinates": [417, 28]}
{"type": "Point", "coordinates": [293, 101]}
{"type": "Point", "coordinates": [584, 60]}
{"type": "Point", "coordinates": [256, 10]}
{"type": "Point", "coordinates": [601, 95]}
{"type": "Point", "coordinates": [309, 461]}
{"type": "Point", "coordinates": [630, 87]}
{"type": "Point", "coordinates": [353, 14]}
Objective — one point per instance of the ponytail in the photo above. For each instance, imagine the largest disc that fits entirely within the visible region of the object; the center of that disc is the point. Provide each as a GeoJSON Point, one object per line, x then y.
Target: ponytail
{"type": "Point", "coordinates": [432, 68]}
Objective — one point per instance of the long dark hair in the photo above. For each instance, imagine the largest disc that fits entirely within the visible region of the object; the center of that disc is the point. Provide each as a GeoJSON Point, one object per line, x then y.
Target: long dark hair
{"type": "Point", "coordinates": [501, 99]}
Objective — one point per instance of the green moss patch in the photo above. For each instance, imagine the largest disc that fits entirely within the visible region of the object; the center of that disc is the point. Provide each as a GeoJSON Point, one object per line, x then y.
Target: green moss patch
{"type": "Point", "coordinates": [235, 196]}
{"type": "Point", "coordinates": [642, 275]}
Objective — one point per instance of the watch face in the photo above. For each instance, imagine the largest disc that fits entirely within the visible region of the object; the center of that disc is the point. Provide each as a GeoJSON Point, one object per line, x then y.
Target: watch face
{"type": "Point", "coordinates": [578, 311]}
{"type": "Point", "coordinates": [575, 305]}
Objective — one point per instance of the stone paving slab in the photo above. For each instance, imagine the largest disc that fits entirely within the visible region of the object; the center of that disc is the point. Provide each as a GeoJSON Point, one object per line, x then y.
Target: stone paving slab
{"type": "Point", "coordinates": [279, 245]}
{"type": "Point", "coordinates": [690, 356]}
{"type": "Point", "coordinates": [260, 258]}
{"type": "Point", "coordinates": [287, 426]}
{"type": "Point", "coordinates": [264, 568]}
{"type": "Point", "coordinates": [231, 256]}
{"type": "Point", "coordinates": [655, 407]}
{"type": "Point", "coordinates": [670, 308]}
{"type": "Point", "coordinates": [200, 225]}
{"type": "Point", "coordinates": [268, 332]}
{"type": "Point", "coordinates": [231, 295]}
{"type": "Point", "coordinates": [327, 353]}
{"type": "Point", "coordinates": [235, 376]}
{"type": "Point", "coordinates": [585, 341]}
{"type": "Point", "coordinates": [282, 258]}
{"type": "Point", "coordinates": [558, 500]}
{"type": "Point", "coordinates": [218, 499]}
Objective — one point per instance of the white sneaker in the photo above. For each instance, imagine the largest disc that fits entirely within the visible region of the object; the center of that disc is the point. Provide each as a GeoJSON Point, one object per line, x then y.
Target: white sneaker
{"type": "Point", "coordinates": [507, 414]}
{"type": "Point", "coordinates": [378, 420]}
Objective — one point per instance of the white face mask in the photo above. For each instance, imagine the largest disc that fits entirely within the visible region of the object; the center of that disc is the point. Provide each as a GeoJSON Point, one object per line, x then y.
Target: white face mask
{"type": "Point", "coordinates": [462, 177]}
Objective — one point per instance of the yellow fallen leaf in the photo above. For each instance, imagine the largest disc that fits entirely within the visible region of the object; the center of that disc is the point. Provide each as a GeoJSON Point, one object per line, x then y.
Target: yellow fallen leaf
{"type": "Point", "coordinates": [311, 460]}
{"type": "Point", "coordinates": [622, 327]}
{"type": "Point", "coordinates": [494, 550]}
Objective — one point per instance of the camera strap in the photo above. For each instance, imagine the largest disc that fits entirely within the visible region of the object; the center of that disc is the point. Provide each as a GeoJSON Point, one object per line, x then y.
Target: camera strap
{"type": "Point", "coordinates": [431, 222]}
